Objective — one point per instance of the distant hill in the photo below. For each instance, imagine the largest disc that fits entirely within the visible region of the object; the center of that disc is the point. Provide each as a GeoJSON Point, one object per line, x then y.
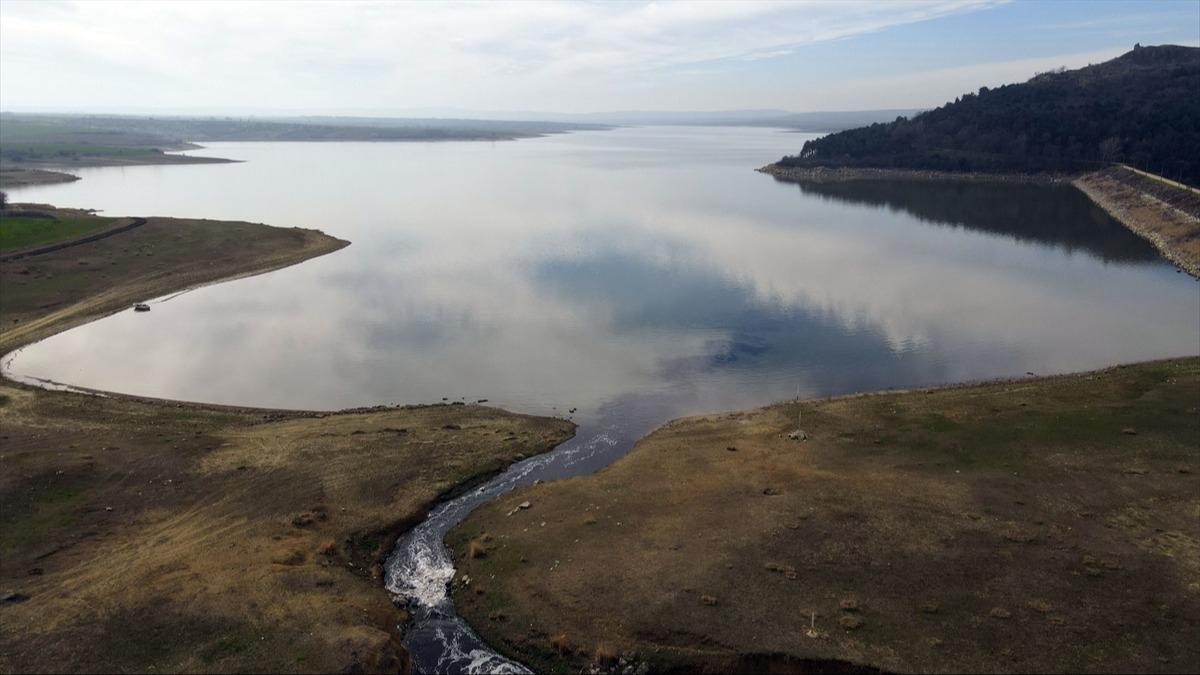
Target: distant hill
{"type": "Point", "coordinates": [24, 128]}
{"type": "Point", "coordinates": [1141, 108]}
{"type": "Point", "coordinates": [817, 122]}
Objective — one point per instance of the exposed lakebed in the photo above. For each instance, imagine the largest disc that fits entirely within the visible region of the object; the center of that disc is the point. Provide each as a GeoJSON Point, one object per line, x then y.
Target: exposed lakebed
{"type": "Point", "coordinates": [632, 276]}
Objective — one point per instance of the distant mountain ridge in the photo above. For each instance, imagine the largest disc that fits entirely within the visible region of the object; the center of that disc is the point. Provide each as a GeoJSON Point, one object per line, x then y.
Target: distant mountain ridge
{"type": "Point", "coordinates": [1141, 108]}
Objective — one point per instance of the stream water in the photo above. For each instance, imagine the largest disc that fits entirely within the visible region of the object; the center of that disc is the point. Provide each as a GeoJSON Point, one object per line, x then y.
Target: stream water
{"type": "Point", "coordinates": [632, 276]}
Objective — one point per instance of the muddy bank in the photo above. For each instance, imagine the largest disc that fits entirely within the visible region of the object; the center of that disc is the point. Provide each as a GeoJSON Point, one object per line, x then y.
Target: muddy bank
{"type": "Point", "coordinates": [156, 535]}
{"type": "Point", "coordinates": [1027, 526]}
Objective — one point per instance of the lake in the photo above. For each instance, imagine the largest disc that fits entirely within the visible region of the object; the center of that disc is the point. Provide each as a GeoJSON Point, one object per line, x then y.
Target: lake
{"type": "Point", "coordinates": [632, 275]}
{"type": "Point", "coordinates": [577, 270]}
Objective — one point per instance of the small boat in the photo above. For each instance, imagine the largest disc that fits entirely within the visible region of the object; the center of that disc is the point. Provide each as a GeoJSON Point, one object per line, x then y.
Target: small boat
{"type": "Point", "coordinates": [141, 307]}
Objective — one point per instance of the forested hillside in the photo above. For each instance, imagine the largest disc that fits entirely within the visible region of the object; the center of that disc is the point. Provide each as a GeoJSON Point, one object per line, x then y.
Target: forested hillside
{"type": "Point", "coordinates": [1141, 108]}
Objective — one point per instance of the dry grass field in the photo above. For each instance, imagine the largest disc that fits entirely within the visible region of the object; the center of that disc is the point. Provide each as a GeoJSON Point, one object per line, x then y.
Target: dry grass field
{"type": "Point", "coordinates": [1043, 525]}
{"type": "Point", "coordinates": [151, 536]}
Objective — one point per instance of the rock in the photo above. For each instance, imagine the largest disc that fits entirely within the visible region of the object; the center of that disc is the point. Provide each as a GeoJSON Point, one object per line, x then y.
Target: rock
{"type": "Point", "coordinates": [731, 449]}
{"type": "Point", "coordinates": [1040, 606]}
{"type": "Point", "coordinates": [798, 435]}
{"type": "Point", "coordinates": [524, 505]}
{"type": "Point", "coordinates": [14, 596]}
{"type": "Point", "coordinates": [770, 492]}
{"type": "Point", "coordinates": [709, 600]}
{"type": "Point", "coordinates": [141, 307]}
{"type": "Point", "coordinates": [303, 520]}
{"type": "Point", "coordinates": [451, 427]}
{"type": "Point", "coordinates": [849, 605]}
{"type": "Point", "coordinates": [786, 570]}
{"type": "Point", "coordinates": [1000, 613]}
{"type": "Point", "coordinates": [931, 608]}
{"type": "Point", "coordinates": [850, 622]}
{"type": "Point", "coordinates": [1129, 431]}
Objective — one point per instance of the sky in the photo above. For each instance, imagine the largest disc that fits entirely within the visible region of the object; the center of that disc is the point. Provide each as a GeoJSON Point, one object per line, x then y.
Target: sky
{"type": "Point", "coordinates": [394, 57]}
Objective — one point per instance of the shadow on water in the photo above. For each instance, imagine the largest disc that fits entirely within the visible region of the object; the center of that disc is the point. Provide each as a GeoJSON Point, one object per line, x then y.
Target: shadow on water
{"type": "Point", "coordinates": [1054, 215]}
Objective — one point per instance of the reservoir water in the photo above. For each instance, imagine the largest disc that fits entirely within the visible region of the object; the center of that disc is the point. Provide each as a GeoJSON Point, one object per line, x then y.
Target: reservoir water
{"type": "Point", "coordinates": [634, 275]}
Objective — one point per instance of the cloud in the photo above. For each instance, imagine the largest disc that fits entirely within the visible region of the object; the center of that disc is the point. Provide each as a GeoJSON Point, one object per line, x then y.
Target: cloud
{"type": "Point", "coordinates": [935, 87]}
{"type": "Point", "coordinates": [400, 54]}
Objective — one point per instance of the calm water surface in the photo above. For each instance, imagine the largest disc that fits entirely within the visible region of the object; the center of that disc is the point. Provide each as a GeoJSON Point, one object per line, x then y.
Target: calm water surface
{"type": "Point", "coordinates": [635, 275]}
{"type": "Point", "coordinates": [579, 270]}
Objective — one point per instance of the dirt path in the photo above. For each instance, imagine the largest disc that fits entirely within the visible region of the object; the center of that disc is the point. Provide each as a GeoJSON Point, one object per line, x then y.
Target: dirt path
{"type": "Point", "coordinates": [86, 239]}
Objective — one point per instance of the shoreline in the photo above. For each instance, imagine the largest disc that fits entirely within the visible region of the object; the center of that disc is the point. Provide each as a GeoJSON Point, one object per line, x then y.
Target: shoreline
{"type": "Point", "coordinates": [357, 619]}
{"type": "Point", "coordinates": [52, 172]}
{"type": "Point", "coordinates": [18, 177]}
{"type": "Point", "coordinates": [842, 174]}
{"type": "Point", "coordinates": [1173, 231]}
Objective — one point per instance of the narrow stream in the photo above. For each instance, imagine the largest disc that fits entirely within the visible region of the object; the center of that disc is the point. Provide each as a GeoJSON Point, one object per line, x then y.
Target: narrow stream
{"type": "Point", "coordinates": [420, 569]}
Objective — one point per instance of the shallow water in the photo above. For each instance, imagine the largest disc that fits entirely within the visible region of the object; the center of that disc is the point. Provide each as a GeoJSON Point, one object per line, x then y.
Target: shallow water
{"type": "Point", "coordinates": [634, 275]}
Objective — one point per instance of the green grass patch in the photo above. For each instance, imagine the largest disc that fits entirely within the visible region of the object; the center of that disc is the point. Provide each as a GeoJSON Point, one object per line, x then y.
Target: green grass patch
{"type": "Point", "coordinates": [53, 510]}
{"type": "Point", "coordinates": [45, 151]}
{"type": "Point", "coordinates": [224, 647]}
{"type": "Point", "coordinates": [17, 232]}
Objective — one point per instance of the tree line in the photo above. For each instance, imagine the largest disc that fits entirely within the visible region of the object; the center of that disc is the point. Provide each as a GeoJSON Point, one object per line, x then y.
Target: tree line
{"type": "Point", "coordinates": [1141, 108]}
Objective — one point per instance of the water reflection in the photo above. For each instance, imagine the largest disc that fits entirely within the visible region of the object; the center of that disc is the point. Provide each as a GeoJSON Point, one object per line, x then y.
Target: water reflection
{"type": "Point", "coordinates": [1057, 215]}
{"type": "Point", "coordinates": [649, 271]}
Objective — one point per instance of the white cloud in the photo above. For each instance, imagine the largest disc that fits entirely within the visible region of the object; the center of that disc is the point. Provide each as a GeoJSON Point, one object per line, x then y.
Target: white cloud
{"type": "Point", "coordinates": [374, 54]}
{"type": "Point", "coordinates": [935, 87]}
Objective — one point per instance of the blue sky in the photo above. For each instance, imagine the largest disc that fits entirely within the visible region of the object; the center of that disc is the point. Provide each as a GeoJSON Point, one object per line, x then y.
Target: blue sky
{"type": "Point", "coordinates": [360, 57]}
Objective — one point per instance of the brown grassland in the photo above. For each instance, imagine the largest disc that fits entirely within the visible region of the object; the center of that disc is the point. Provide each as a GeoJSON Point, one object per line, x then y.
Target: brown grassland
{"type": "Point", "coordinates": [141, 535]}
{"type": "Point", "coordinates": [1042, 525]}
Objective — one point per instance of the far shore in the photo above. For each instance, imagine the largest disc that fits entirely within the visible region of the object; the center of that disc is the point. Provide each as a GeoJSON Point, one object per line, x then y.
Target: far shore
{"type": "Point", "coordinates": [50, 171]}
{"type": "Point", "coordinates": [1165, 213]}
{"type": "Point", "coordinates": [11, 177]}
